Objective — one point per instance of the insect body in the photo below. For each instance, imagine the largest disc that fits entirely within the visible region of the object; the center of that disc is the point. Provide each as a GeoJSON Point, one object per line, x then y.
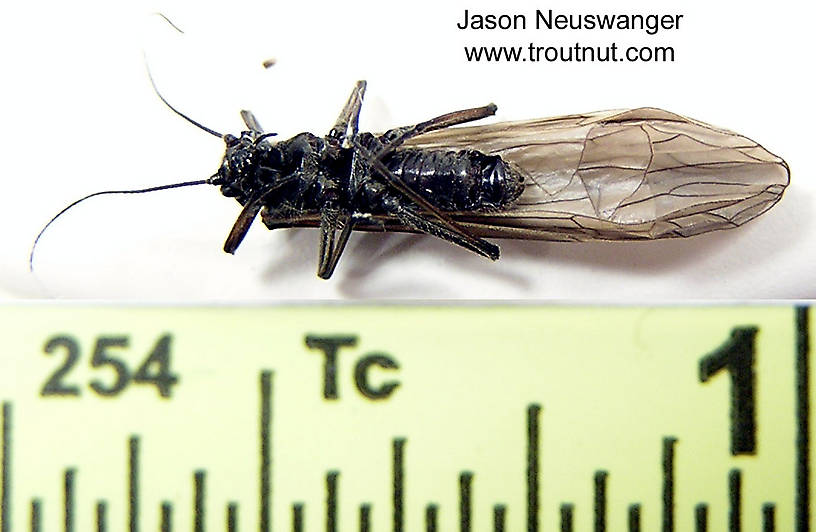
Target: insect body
{"type": "Point", "coordinates": [614, 175]}
{"type": "Point", "coordinates": [638, 174]}
{"type": "Point", "coordinates": [349, 177]}
{"type": "Point", "coordinates": [305, 174]}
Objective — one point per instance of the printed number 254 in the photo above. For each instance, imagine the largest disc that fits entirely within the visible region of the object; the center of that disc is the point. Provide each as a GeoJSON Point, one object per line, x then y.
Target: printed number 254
{"type": "Point", "coordinates": [154, 370]}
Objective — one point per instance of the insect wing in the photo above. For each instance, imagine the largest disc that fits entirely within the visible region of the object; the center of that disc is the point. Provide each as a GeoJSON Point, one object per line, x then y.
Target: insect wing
{"type": "Point", "coordinates": [620, 175]}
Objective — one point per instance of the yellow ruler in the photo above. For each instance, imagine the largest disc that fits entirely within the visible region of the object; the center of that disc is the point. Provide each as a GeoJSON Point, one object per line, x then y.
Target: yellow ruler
{"type": "Point", "coordinates": [405, 418]}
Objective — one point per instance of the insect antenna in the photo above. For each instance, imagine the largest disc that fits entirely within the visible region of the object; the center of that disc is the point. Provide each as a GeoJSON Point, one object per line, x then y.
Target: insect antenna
{"type": "Point", "coordinates": [187, 118]}
{"type": "Point", "coordinates": [166, 19]}
{"type": "Point", "coordinates": [105, 192]}
{"type": "Point", "coordinates": [156, 89]}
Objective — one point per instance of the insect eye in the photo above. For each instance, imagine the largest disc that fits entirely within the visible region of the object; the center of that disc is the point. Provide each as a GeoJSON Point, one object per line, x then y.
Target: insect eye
{"type": "Point", "coordinates": [231, 140]}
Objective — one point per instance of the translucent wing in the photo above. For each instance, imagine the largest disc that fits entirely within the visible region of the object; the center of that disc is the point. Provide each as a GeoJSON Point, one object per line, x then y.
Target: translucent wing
{"type": "Point", "coordinates": [620, 175]}
{"type": "Point", "coordinates": [611, 175]}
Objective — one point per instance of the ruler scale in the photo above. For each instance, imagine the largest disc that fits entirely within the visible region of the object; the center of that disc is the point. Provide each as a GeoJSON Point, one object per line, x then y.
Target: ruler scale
{"type": "Point", "coordinates": [469, 496]}
{"type": "Point", "coordinates": [332, 479]}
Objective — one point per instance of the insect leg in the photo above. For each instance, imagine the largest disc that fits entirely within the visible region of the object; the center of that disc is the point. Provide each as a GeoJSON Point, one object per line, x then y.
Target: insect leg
{"type": "Point", "coordinates": [395, 137]}
{"type": "Point", "coordinates": [329, 220]}
{"type": "Point", "coordinates": [251, 122]}
{"type": "Point", "coordinates": [347, 123]}
{"type": "Point", "coordinates": [241, 226]}
{"type": "Point", "coordinates": [395, 206]}
{"type": "Point", "coordinates": [444, 221]}
{"type": "Point", "coordinates": [331, 249]}
{"type": "Point", "coordinates": [248, 213]}
{"type": "Point", "coordinates": [446, 225]}
{"type": "Point", "coordinates": [334, 213]}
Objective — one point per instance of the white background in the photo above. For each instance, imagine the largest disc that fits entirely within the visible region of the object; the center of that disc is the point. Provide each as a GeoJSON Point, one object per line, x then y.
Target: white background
{"type": "Point", "coordinates": [79, 115]}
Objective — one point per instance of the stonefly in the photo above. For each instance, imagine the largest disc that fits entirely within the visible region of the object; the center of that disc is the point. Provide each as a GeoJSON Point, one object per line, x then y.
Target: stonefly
{"type": "Point", "coordinates": [612, 175]}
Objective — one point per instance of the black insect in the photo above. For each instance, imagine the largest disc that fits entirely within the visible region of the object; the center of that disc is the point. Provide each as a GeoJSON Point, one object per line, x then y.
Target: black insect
{"type": "Point", "coordinates": [613, 175]}
{"type": "Point", "coordinates": [347, 177]}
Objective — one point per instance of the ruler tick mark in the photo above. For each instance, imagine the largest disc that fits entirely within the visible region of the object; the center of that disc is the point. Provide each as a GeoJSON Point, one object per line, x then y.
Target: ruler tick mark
{"type": "Point", "coordinates": [166, 519]}
{"type": "Point", "coordinates": [533, 437]}
{"type": "Point", "coordinates": [36, 515]}
{"type": "Point", "coordinates": [398, 482]}
{"type": "Point", "coordinates": [68, 499]}
{"type": "Point", "coordinates": [768, 511]}
{"type": "Point", "coordinates": [734, 500]}
{"type": "Point", "coordinates": [101, 516]}
{"type": "Point", "coordinates": [701, 518]}
{"type": "Point", "coordinates": [465, 510]}
{"type": "Point", "coordinates": [430, 517]}
{"type": "Point", "coordinates": [133, 484]}
{"type": "Point", "coordinates": [5, 475]}
{"type": "Point", "coordinates": [199, 498]}
{"type": "Point", "coordinates": [265, 473]}
{"type": "Point", "coordinates": [365, 517]}
{"type": "Point", "coordinates": [331, 501]}
{"type": "Point", "coordinates": [297, 517]}
{"type": "Point", "coordinates": [232, 517]}
{"type": "Point", "coordinates": [802, 497]}
{"type": "Point", "coordinates": [499, 512]}
{"type": "Point", "coordinates": [668, 483]}
{"type": "Point", "coordinates": [600, 500]}
{"type": "Point", "coordinates": [566, 517]}
{"type": "Point", "coordinates": [634, 517]}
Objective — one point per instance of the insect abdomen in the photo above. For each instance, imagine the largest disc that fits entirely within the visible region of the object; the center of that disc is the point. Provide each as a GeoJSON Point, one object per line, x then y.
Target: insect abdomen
{"type": "Point", "coordinates": [465, 180]}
